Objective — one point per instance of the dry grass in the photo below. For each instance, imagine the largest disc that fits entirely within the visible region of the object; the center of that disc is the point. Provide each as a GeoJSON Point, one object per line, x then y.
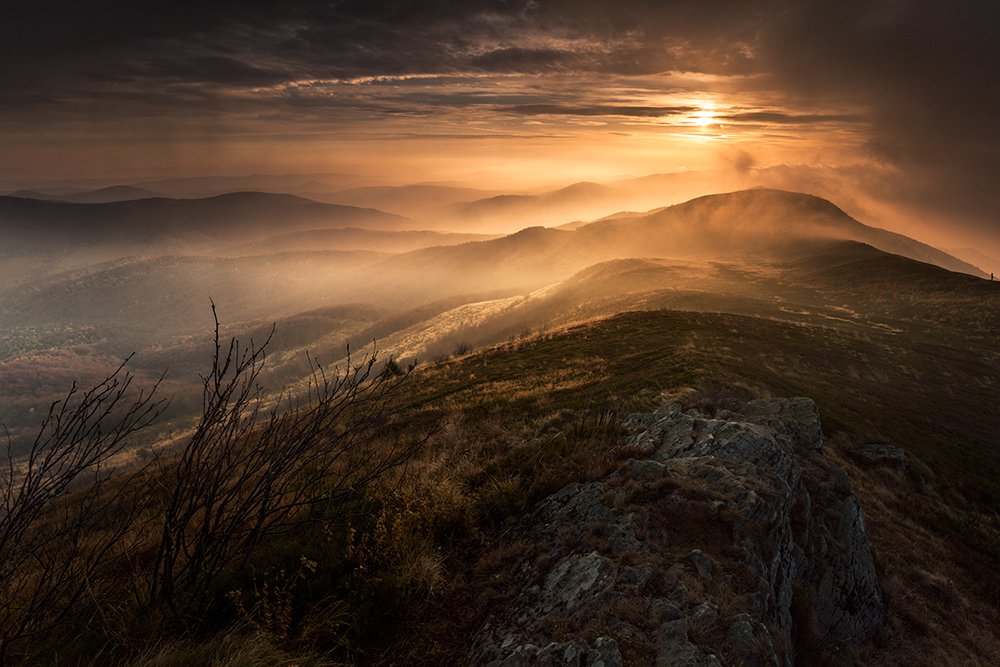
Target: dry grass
{"type": "Point", "coordinates": [432, 547]}
{"type": "Point", "coordinates": [224, 651]}
{"type": "Point", "coordinates": [936, 613]}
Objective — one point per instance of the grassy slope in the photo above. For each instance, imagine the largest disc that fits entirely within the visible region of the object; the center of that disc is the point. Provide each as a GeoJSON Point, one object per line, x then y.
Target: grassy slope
{"type": "Point", "coordinates": [520, 420]}
{"type": "Point", "coordinates": [937, 548]}
{"type": "Point", "coordinates": [924, 397]}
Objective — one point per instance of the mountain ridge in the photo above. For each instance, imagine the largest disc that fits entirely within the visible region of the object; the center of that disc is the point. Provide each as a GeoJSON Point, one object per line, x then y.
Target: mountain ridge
{"type": "Point", "coordinates": [763, 218]}
{"type": "Point", "coordinates": [40, 225]}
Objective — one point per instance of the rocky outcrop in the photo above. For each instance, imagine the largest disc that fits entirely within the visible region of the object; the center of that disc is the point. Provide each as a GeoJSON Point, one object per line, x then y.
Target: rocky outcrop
{"type": "Point", "coordinates": [729, 539]}
{"type": "Point", "coordinates": [882, 455]}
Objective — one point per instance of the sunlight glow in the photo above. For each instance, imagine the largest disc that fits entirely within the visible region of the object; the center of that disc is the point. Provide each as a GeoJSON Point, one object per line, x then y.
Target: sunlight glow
{"type": "Point", "coordinates": [704, 117]}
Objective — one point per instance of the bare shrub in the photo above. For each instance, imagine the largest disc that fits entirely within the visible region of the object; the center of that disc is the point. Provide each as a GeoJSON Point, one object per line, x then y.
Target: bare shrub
{"type": "Point", "coordinates": [77, 541]}
{"type": "Point", "coordinates": [56, 544]}
{"type": "Point", "coordinates": [247, 472]}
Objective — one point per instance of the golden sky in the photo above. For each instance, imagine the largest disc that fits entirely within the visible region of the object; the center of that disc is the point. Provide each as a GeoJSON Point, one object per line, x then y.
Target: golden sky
{"type": "Point", "coordinates": [888, 107]}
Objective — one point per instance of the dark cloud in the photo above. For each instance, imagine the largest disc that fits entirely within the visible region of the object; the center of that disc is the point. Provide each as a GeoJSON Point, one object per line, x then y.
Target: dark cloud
{"type": "Point", "coordinates": [930, 74]}
{"type": "Point", "coordinates": [811, 45]}
{"type": "Point", "coordinates": [513, 59]}
{"type": "Point", "coordinates": [780, 118]}
{"type": "Point", "coordinates": [63, 40]}
{"type": "Point", "coordinates": [219, 70]}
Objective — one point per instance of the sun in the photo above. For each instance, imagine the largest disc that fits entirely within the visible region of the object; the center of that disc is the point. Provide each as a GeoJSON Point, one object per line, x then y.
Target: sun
{"type": "Point", "coordinates": [703, 117]}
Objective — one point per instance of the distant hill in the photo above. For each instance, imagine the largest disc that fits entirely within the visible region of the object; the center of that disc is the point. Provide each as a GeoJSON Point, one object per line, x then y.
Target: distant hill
{"type": "Point", "coordinates": [519, 211]}
{"type": "Point", "coordinates": [977, 258]}
{"type": "Point", "coordinates": [210, 186]}
{"type": "Point", "coordinates": [730, 249]}
{"type": "Point", "coordinates": [582, 201]}
{"type": "Point", "coordinates": [35, 194]}
{"type": "Point", "coordinates": [907, 290]}
{"type": "Point", "coordinates": [416, 201]}
{"type": "Point", "coordinates": [111, 194]}
{"type": "Point", "coordinates": [747, 225]}
{"type": "Point", "coordinates": [753, 221]}
{"type": "Point", "coordinates": [841, 285]}
{"type": "Point", "coordinates": [101, 196]}
{"type": "Point", "coordinates": [166, 296]}
{"type": "Point", "coordinates": [352, 238]}
{"type": "Point", "coordinates": [28, 225]}
{"type": "Point", "coordinates": [528, 259]}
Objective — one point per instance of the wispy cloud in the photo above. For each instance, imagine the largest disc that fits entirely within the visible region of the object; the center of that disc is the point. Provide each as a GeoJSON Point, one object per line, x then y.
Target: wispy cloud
{"type": "Point", "coordinates": [598, 110]}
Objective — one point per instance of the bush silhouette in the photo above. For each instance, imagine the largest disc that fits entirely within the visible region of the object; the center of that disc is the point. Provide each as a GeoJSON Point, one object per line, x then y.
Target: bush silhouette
{"type": "Point", "coordinates": [175, 531]}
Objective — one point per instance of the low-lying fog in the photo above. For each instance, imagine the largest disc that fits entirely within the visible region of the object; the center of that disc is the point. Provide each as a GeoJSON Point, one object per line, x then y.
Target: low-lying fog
{"type": "Point", "coordinates": [417, 271]}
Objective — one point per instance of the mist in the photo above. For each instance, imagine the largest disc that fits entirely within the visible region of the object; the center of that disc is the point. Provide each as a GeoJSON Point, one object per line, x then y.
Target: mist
{"type": "Point", "coordinates": [86, 286]}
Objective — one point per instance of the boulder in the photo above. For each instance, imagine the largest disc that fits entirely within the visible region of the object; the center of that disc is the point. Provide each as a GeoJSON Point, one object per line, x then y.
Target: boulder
{"type": "Point", "coordinates": [882, 455]}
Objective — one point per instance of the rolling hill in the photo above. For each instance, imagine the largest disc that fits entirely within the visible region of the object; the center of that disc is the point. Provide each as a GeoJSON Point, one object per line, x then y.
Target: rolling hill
{"type": "Point", "coordinates": [32, 226]}
{"type": "Point", "coordinates": [415, 201]}
{"type": "Point", "coordinates": [351, 238]}
{"type": "Point", "coordinates": [101, 196]}
{"type": "Point", "coordinates": [754, 233]}
{"type": "Point", "coordinates": [755, 222]}
{"type": "Point", "coordinates": [111, 194]}
{"type": "Point", "coordinates": [508, 212]}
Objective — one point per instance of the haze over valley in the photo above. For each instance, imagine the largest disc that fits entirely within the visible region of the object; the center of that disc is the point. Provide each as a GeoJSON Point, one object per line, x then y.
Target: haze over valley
{"type": "Point", "coordinates": [87, 285]}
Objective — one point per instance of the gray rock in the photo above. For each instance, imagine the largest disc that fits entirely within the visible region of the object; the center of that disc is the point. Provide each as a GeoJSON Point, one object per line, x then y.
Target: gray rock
{"type": "Point", "coordinates": [748, 638]}
{"type": "Point", "coordinates": [573, 653]}
{"type": "Point", "coordinates": [702, 564]}
{"type": "Point", "coordinates": [608, 654]}
{"type": "Point", "coordinates": [740, 634]}
{"type": "Point", "coordinates": [705, 614]}
{"type": "Point", "coordinates": [674, 649]}
{"type": "Point", "coordinates": [638, 575]}
{"type": "Point", "coordinates": [665, 610]}
{"type": "Point", "coordinates": [576, 579]}
{"type": "Point", "coordinates": [847, 602]}
{"type": "Point", "coordinates": [798, 417]}
{"type": "Point", "coordinates": [791, 514]}
{"type": "Point", "coordinates": [884, 455]}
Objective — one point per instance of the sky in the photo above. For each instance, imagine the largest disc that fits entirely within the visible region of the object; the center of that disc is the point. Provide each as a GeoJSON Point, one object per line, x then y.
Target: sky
{"type": "Point", "coordinates": [887, 107]}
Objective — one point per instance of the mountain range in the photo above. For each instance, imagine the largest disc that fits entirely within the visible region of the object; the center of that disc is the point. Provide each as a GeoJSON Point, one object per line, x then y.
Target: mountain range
{"type": "Point", "coordinates": [140, 274]}
{"type": "Point", "coordinates": [33, 226]}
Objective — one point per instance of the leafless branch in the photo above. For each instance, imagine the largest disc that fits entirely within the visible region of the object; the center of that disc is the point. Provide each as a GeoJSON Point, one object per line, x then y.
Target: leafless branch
{"type": "Point", "coordinates": [247, 473]}
{"type": "Point", "coordinates": [48, 532]}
